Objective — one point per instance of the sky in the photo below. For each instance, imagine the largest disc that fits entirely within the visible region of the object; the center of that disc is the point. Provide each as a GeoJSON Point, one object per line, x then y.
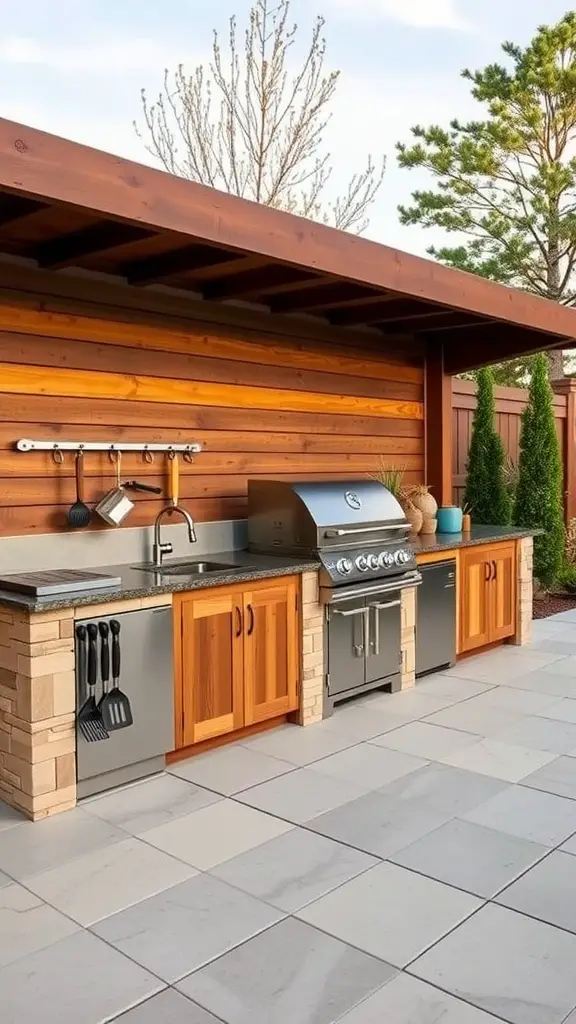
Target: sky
{"type": "Point", "coordinates": [77, 70]}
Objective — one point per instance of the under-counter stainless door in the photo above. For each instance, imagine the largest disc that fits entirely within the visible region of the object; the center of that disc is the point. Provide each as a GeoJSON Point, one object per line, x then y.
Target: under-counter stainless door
{"type": "Point", "coordinates": [436, 617]}
{"type": "Point", "coordinates": [384, 652]}
{"type": "Point", "coordinates": [147, 678]}
{"type": "Point", "coordinates": [347, 643]}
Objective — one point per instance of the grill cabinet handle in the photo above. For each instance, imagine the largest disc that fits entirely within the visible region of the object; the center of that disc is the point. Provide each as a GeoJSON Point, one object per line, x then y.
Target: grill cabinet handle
{"type": "Point", "coordinates": [251, 626]}
{"type": "Point", "coordinates": [365, 612]}
{"type": "Point", "coordinates": [378, 607]}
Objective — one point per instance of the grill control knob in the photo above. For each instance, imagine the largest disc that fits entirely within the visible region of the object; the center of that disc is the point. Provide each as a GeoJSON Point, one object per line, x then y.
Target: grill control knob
{"type": "Point", "coordinates": [386, 559]}
{"type": "Point", "coordinates": [362, 563]}
{"type": "Point", "coordinates": [373, 561]}
{"type": "Point", "coordinates": [344, 566]}
{"type": "Point", "coordinates": [401, 557]}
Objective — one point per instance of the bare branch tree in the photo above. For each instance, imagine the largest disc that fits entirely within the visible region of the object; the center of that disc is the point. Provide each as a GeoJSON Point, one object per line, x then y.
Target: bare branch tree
{"type": "Point", "coordinates": [249, 125]}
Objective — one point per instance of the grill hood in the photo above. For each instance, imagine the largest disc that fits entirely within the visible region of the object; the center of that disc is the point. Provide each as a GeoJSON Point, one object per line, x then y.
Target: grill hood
{"type": "Point", "coordinates": [303, 517]}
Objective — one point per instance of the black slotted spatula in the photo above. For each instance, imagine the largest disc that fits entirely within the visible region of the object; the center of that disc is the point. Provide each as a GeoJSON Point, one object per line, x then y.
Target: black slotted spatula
{"type": "Point", "coordinates": [116, 709]}
{"type": "Point", "coordinates": [89, 717]}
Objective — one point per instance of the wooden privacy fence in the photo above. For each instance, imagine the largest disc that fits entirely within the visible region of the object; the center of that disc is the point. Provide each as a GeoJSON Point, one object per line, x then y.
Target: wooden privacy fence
{"type": "Point", "coordinates": [510, 403]}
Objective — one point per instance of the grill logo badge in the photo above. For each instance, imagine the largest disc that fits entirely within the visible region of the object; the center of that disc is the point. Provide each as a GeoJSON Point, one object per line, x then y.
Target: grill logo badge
{"type": "Point", "coordinates": [352, 500]}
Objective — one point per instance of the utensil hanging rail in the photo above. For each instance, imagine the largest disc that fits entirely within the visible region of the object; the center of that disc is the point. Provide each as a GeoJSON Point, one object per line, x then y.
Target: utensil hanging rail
{"type": "Point", "coordinates": [27, 445]}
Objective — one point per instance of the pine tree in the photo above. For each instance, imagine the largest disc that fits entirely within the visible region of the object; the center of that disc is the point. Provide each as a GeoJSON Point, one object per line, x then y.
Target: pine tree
{"type": "Point", "coordinates": [539, 493]}
{"type": "Point", "coordinates": [486, 493]}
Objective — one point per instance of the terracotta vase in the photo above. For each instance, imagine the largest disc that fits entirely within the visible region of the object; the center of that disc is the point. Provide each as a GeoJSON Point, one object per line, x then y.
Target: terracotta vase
{"type": "Point", "coordinates": [413, 515]}
{"type": "Point", "coordinates": [466, 523]}
{"type": "Point", "coordinates": [422, 499]}
{"type": "Point", "coordinates": [429, 524]}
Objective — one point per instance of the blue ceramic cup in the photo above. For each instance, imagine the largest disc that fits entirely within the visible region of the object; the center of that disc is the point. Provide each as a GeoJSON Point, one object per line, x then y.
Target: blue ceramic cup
{"type": "Point", "coordinates": [449, 519]}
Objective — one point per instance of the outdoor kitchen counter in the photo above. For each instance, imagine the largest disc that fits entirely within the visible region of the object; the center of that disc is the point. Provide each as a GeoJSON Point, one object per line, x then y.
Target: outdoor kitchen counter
{"type": "Point", "coordinates": [140, 583]}
{"type": "Point", "coordinates": [437, 542]}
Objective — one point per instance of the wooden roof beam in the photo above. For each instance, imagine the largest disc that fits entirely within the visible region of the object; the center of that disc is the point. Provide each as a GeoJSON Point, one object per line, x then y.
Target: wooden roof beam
{"type": "Point", "coordinates": [442, 321]}
{"type": "Point", "coordinates": [13, 208]}
{"type": "Point", "coordinates": [256, 281]}
{"type": "Point", "coordinates": [321, 296]}
{"type": "Point", "coordinates": [66, 250]}
{"type": "Point", "coordinates": [491, 344]}
{"type": "Point", "coordinates": [177, 261]}
{"type": "Point", "coordinates": [385, 313]}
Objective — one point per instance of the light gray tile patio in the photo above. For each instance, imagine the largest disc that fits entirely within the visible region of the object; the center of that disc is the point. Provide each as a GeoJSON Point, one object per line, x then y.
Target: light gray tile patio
{"type": "Point", "coordinates": [563, 667]}
{"type": "Point", "coordinates": [441, 788]}
{"type": "Point", "coordinates": [547, 891]}
{"type": "Point", "coordinates": [423, 740]}
{"type": "Point", "coordinates": [5, 880]}
{"type": "Point", "coordinates": [391, 913]}
{"type": "Point", "coordinates": [301, 795]}
{"type": "Point", "coordinates": [187, 926]}
{"type": "Point", "coordinates": [378, 824]}
{"type": "Point", "coordinates": [292, 973]}
{"type": "Point", "coordinates": [299, 746]}
{"type": "Point", "coordinates": [507, 964]}
{"type": "Point", "coordinates": [215, 833]}
{"type": "Point", "coordinates": [507, 761]}
{"type": "Point", "coordinates": [104, 882]}
{"type": "Point", "coordinates": [502, 665]}
{"type": "Point", "coordinates": [27, 924]}
{"type": "Point", "coordinates": [361, 722]}
{"type": "Point", "coordinates": [512, 699]}
{"type": "Point", "coordinates": [52, 842]}
{"type": "Point", "coordinates": [556, 645]}
{"type": "Point", "coordinates": [294, 869]}
{"type": "Point", "coordinates": [9, 817]}
{"type": "Point", "coordinates": [559, 777]}
{"type": "Point", "coordinates": [452, 687]}
{"type": "Point", "coordinates": [529, 814]}
{"type": "Point", "coordinates": [230, 769]}
{"type": "Point", "coordinates": [170, 1007]}
{"type": "Point", "coordinates": [406, 1000]}
{"type": "Point", "coordinates": [148, 804]}
{"type": "Point", "coordinates": [477, 859]}
{"type": "Point", "coordinates": [563, 709]}
{"type": "Point", "coordinates": [77, 979]}
{"type": "Point", "coordinates": [544, 681]}
{"type": "Point", "coordinates": [368, 766]}
{"type": "Point", "coordinates": [541, 734]}
{"type": "Point", "coordinates": [408, 704]}
{"type": "Point", "coordinates": [472, 718]}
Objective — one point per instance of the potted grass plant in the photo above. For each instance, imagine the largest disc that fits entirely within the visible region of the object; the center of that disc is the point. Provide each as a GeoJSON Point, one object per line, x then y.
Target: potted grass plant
{"type": "Point", "coordinates": [392, 477]}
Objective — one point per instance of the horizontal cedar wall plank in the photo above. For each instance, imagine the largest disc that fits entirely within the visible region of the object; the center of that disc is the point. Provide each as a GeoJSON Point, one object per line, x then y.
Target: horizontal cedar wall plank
{"type": "Point", "coordinates": [22, 519]}
{"type": "Point", "coordinates": [17, 379]}
{"type": "Point", "coordinates": [159, 421]}
{"type": "Point", "coordinates": [77, 355]}
{"type": "Point", "coordinates": [61, 490]}
{"type": "Point", "coordinates": [211, 441]}
{"type": "Point", "coordinates": [205, 341]}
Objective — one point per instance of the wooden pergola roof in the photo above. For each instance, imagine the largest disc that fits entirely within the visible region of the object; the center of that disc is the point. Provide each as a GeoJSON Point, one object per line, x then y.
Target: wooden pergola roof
{"type": "Point", "coordinates": [65, 205]}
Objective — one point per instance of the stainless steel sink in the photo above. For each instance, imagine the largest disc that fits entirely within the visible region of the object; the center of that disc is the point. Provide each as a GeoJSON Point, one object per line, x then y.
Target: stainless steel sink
{"type": "Point", "coordinates": [189, 568]}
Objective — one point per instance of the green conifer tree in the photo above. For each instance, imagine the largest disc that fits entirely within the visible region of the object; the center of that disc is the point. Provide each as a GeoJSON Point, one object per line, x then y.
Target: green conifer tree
{"type": "Point", "coordinates": [539, 493]}
{"type": "Point", "coordinates": [486, 494]}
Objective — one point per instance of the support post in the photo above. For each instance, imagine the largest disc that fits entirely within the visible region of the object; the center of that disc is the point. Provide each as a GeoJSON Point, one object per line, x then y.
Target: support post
{"type": "Point", "coordinates": [567, 387]}
{"type": "Point", "coordinates": [438, 425]}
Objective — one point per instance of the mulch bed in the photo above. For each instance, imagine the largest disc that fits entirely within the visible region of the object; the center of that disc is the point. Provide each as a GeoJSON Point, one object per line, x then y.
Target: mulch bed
{"type": "Point", "coordinates": [551, 604]}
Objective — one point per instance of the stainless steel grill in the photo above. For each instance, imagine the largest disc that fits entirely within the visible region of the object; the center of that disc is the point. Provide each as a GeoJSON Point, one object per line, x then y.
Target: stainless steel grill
{"type": "Point", "coordinates": [359, 533]}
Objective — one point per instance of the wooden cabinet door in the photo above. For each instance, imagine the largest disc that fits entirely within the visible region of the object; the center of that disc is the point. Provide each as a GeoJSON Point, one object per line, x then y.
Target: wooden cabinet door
{"type": "Point", "coordinates": [502, 591]}
{"type": "Point", "coordinates": [271, 650]}
{"type": "Point", "coordinates": [474, 608]}
{"type": "Point", "coordinates": [211, 665]}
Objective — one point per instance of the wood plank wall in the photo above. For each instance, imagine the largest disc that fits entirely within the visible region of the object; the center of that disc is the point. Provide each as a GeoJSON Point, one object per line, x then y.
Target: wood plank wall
{"type": "Point", "coordinates": [262, 404]}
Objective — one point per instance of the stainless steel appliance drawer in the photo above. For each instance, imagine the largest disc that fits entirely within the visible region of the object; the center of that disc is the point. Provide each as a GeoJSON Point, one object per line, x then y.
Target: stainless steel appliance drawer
{"type": "Point", "coordinates": [147, 678]}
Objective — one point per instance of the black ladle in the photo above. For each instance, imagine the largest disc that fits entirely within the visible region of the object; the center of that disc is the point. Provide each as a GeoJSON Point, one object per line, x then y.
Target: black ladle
{"type": "Point", "coordinates": [79, 515]}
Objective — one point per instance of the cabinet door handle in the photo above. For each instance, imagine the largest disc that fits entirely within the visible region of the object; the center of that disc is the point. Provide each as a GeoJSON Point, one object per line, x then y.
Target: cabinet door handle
{"type": "Point", "coordinates": [487, 571]}
{"type": "Point", "coordinates": [240, 624]}
{"type": "Point", "coordinates": [495, 571]}
{"type": "Point", "coordinates": [251, 626]}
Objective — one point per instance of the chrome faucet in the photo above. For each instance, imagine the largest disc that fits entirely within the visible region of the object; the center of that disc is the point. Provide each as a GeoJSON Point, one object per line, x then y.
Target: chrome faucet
{"type": "Point", "coordinates": [159, 549]}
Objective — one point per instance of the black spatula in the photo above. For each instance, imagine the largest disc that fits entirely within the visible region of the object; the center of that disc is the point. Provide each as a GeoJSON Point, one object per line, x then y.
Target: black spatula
{"type": "Point", "coordinates": [89, 717]}
{"type": "Point", "coordinates": [116, 709]}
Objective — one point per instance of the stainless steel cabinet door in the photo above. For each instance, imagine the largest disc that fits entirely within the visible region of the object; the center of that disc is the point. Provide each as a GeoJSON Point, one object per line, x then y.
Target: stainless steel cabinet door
{"type": "Point", "coordinates": [348, 637]}
{"type": "Point", "coordinates": [384, 654]}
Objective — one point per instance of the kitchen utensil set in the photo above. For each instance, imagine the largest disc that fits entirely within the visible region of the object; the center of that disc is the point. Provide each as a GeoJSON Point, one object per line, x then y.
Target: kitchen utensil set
{"type": "Point", "coordinates": [113, 711]}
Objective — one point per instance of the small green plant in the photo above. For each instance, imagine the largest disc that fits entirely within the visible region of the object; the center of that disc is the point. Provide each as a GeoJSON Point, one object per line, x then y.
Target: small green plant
{"type": "Point", "coordinates": [391, 477]}
{"type": "Point", "coordinates": [539, 493]}
{"type": "Point", "coordinates": [567, 576]}
{"type": "Point", "coordinates": [486, 495]}
{"type": "Point", "coordinates": [570, 542]}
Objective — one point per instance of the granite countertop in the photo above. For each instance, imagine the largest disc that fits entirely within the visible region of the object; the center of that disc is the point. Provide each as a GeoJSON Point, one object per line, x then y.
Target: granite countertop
{"type": "Point", "coordinates": [430, 543]}
{"type": "Point", "coordinates": [138, 582]}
